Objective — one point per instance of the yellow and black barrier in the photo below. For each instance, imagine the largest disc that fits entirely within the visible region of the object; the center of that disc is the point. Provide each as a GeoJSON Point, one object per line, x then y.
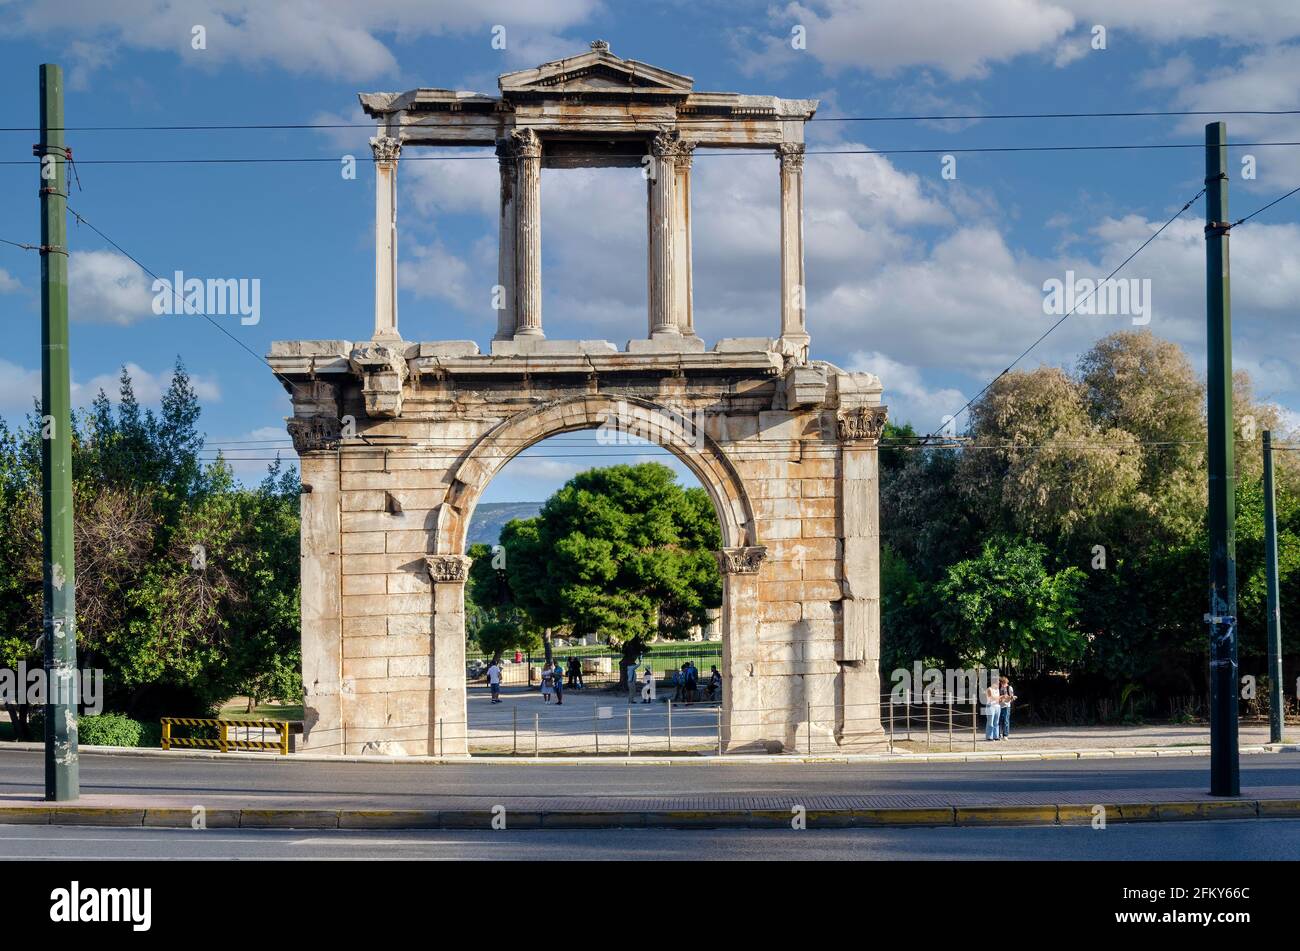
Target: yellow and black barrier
{"type": "Point", "coordinates": [222, 743]}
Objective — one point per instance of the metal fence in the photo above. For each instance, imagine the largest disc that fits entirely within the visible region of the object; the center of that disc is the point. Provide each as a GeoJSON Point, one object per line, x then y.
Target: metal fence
{"type": "Point", "coordinates": [598, 667]}
{"type": "Point", "coordinates": [936, 723]}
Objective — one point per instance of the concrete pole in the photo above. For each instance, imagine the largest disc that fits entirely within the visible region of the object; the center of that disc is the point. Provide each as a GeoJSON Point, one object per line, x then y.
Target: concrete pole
{"type": "Point", "coordinates": [62, 772]}
{"type": "Point", "coordinates": [1274, 626]}
{"type": "Point", "coordinates": [794, 333]}
{"type": "Point", "coordinates": [386, 151]}
{"type": "Point", "coordinates": [528, 233]}
{"type": "Point", "coordinates": [1225, 777]}
{"type": "Point", "coordinates": [663, 259]}
{"type": "Point", "coordinates": [507, 315]}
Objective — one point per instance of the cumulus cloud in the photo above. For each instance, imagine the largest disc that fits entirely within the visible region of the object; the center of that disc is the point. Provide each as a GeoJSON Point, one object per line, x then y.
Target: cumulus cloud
{"type": "Point", "coordinates": [909, 398]}
{"type": "Point", "coordinates": [105, 287]}
{"type": "Point", "coordinates": [20, 386]}
{"type": "Point", "coordinates": [8, 283]}
{"type": "Point", "coordinates": [883, 37]}
{"type": "Point", "coordinates": [325, 37]}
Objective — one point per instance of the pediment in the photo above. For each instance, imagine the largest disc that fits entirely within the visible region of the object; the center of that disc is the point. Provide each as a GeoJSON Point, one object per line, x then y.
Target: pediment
{"type": "Point", "coordinates": [599, 72]}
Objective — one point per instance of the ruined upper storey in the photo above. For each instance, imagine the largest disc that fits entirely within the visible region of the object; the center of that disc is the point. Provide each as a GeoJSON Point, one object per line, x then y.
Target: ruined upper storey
{"type": "Point", "coordinates": [595, 109]}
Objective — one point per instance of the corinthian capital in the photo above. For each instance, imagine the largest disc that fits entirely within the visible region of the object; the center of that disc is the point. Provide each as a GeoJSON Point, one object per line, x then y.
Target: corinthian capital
{"type": "Point", "coordinates": [742, 561]}
{"type": "Point", "coordinates": [669, 144]}
{"type": "Point", "coordinates": [447, 568]}
{"type": "Point", "coordinates": [385, 148]}
{"type": "Point", "coordinates": [790, 155]}
{"type": "Point", "coordinates": [526, 143]}
{"type": "Point", "coordinates": [864, 422]}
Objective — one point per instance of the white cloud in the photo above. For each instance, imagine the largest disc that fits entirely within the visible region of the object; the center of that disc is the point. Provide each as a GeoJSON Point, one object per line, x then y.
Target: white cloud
{"type": "Point", "coordinates": [149, 387]}
{"type": "Point", "coordinates": [884, 37]}
{"type": "Point", "coordinates": [1262, 79]}
{"type": "Point", "coordinates": [8, 283]}
{"type": "Point", "coordinates": [19, 386]}
{"type": "Point", "coordinates": [909, 399]}
{"type": "Point", "coordinates": [108, 288]}
{"type": "Point", "coordinates": [327, 37]}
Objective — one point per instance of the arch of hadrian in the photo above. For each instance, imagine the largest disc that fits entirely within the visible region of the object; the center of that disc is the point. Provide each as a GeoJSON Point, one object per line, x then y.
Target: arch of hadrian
{"type": "Point", "coordinates": [397, 440]}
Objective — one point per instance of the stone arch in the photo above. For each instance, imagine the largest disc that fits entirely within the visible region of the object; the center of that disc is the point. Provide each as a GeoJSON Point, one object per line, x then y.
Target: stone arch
{"type": "Point", "coordinates": [495, 448]}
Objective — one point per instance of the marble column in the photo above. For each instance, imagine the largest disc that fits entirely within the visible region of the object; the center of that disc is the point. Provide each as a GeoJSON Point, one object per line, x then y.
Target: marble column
{"type": "Point", "coordinates": [794, 332]}
{"type": "Point", "coordinates": [386, 151]}
{"type": "Point", "coordinates": [744, 726]}
{"type": "Point", "coordinates": [507, 315]}
{"type": "Point", "coordinates": [683, 304]}
{"type": "Point", "coordinates": [662, 202]}
{"type": "Point", "coordinates": [528, 233]}
{"type": "Point", "coordinates": [448, 720]}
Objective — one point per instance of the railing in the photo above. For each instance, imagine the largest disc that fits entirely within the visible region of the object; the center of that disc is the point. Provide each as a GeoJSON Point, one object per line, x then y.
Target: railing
{"type": "Point", "coordinates": [223, 741]}
{"type": "Point", "coordinates": [615, 726]}
{"type": "Point", "coordinates": [528, 671]}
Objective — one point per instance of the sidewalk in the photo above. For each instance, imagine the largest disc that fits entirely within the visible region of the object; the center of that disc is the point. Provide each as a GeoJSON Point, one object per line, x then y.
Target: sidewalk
{"type": "Point", "coordinates": [292, 793]}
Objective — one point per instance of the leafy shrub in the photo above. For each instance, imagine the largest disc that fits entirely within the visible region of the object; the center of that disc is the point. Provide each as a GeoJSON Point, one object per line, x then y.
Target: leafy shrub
{"type": "Point", "coordinates": [109, 729]}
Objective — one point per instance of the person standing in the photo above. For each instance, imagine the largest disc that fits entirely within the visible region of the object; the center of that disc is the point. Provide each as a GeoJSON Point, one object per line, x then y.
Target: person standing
{"type": "Point", "coordinates": [648, 691]}
{"type": "Point", "coordinates": [1006, 696]}
{"type": "Point", "coordinates": [557, 683]}
{"type": "Point", "coordinates": [632, 682]}
{"type": "Point", "coordinates": [992, 710]}
{"type": "Point", "coordinates": [494, 681]}
{"type": "Point", "coordinates": [715, 683]}
{"type": "Point", "coordinates": [548, 680]}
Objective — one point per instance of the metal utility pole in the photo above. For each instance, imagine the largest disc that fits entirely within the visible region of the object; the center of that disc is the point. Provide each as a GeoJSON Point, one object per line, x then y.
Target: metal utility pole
{"type": "Point", "coordinates": [62, 780]}
{"type": "Point", "coordinates": [1275, 711]}
{"type": "Point", "coordinates": [1225, 778]}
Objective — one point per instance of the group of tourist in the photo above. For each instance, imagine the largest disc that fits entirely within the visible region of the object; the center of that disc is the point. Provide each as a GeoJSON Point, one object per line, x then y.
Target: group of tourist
{"type": "Point", "coordinates": [997, 707]}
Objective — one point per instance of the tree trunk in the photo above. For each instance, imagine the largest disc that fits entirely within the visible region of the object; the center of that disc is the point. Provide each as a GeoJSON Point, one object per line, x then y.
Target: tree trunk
{"type": "Point", "coordinates": [546, 644]}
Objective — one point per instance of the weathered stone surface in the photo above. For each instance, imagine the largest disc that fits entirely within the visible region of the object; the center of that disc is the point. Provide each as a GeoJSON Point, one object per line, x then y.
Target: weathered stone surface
{"type": "Point", "coordinates": [399, 440]}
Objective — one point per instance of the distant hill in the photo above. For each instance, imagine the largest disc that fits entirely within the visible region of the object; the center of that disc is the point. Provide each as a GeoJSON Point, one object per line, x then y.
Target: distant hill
{"type": "Point", "coordinates": [490, 517]}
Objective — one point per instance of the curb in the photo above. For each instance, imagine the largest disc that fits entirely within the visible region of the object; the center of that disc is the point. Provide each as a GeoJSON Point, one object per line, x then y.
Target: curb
{"type": "Point", "coordinates": [409, 819]}
{"type": "Point", "coordinates": [745, 759]}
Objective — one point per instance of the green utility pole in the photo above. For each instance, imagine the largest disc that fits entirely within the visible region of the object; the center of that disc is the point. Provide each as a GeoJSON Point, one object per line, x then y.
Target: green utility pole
{"type": "Point", "coordinates": [1275, 712]}
{"type": "Point", "coordinates": [1225, 778]}
{"type": "Point", "coordinates": [62, 781]}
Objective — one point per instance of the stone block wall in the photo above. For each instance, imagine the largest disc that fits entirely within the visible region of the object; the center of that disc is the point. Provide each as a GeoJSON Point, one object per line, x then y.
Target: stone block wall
{"type": "Point", "coordinates": [391, 480]}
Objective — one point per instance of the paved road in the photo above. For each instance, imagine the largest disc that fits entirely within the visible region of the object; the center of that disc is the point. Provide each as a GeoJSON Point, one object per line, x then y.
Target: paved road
{"type": "Point", "coordinates": [286, 782]}
{"type": "Point", "coordinates": [1253, 839]}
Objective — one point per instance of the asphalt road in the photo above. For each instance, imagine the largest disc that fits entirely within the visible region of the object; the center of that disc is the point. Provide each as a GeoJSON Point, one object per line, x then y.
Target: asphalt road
{"type": "Point", "coordinates": [277, 781]}
{"type": "Point", "coordinates": [1249, 839]}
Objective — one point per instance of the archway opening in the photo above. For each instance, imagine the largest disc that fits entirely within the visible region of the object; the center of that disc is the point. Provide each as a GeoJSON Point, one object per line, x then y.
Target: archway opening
{"type": "Point", "coordinates": [580, 540]}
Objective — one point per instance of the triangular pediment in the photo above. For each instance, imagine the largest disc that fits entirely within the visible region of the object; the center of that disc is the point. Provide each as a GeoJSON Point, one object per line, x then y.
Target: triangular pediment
{"type": "Point", "coordinates": [599, 72]}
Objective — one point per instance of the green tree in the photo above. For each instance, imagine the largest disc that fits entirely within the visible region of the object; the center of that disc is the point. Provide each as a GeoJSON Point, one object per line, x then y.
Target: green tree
{"type": "Point", "coordinates": [1008, 605]}
{"type": "Point", "coordinates": [623, 552]}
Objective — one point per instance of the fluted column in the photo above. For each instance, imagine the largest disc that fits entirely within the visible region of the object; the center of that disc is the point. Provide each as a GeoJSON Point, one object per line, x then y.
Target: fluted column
{"type": "Point", "coordinates": [794, 332]}
{"type": "Point", "coordinates": [663, 256]}
{"type": "Point", "coordinates": [507, 315]}
{"type": "Point", "coordinates": [528, 233]}
{"type": "Point", "coordinates": [683, 303]}
{"type": "Point", "coordinates": [386, 151]}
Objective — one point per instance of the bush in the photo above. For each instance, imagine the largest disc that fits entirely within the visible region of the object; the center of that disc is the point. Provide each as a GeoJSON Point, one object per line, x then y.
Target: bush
{"type": "Point", "coordinates": [110, 729]}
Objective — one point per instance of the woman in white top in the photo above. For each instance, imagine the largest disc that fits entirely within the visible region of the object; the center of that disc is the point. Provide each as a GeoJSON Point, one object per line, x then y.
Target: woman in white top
{"type": "Point", "coordinates": [648, 691]}
{"type": "Point", "coordinates": [992, 710]}
{"type": "Point", "coordinates": [548, 672]}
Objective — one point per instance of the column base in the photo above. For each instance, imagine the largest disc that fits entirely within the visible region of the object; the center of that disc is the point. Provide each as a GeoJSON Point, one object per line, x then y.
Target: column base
{"type": "Point", "coordinates": [666, 343]}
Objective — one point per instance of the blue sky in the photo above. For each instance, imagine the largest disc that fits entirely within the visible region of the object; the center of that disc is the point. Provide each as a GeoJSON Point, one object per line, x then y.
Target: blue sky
{"type": "Point", "coordinates": [933, 284]}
